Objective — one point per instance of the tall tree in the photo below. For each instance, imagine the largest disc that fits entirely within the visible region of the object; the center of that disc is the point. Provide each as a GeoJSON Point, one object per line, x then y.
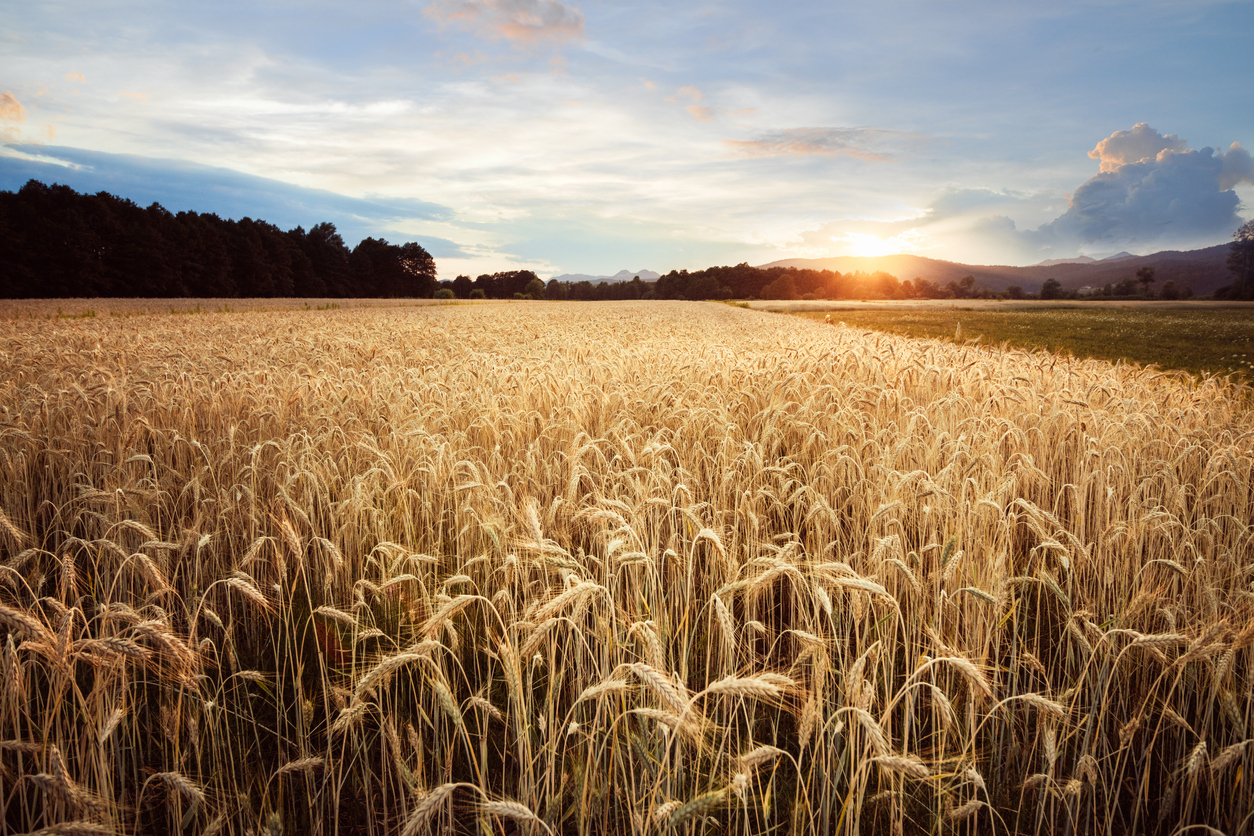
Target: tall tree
{"type": "Point", "coordinates": [1241, 262]}
{"type": "Point", "coordinates": [419, 269]}
{"type": "Point", "coordinates": [328, 256]}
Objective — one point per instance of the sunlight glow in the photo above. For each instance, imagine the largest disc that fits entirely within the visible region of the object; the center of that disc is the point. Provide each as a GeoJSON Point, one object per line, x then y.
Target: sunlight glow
{"type": "Point", "coordinates": [872, 246]}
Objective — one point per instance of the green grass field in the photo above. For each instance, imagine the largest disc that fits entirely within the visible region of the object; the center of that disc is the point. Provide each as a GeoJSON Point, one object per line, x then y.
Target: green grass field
{"type": "Point", "coordinates": [1199, 341]}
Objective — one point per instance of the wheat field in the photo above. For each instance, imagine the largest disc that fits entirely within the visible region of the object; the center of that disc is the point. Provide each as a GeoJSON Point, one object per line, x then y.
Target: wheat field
{"type": "Point", "coordinates": [614, 568]}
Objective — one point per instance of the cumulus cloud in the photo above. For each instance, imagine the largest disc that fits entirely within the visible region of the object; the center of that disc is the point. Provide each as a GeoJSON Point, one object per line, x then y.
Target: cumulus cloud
{"type": "Point", "coordinates": [862, 143]}
{"type": "Point", "coordinates": [1169, 195]}
{"type": "Point", "coordinates": [1137, 145]}
{"type": "Point", "coordinates": [1152, 192]}
{"type": "Point", "coordinates": [522, 21]}
{"type": "Point", "coordinates": [1238, 167]}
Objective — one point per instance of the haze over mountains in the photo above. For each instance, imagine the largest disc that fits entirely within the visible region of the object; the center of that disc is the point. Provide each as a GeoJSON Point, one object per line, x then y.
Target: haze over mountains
{"type": "Point", "coordinates": [1204, 270]}
{"type": "Point", "coordinates": [620, 276]}
{"type": "Point", "coordinates": [1083, 259]}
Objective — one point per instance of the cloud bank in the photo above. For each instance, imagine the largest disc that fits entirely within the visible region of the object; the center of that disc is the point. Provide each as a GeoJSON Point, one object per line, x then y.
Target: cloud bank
{"type": "Point", "coordinates": [180, 186]}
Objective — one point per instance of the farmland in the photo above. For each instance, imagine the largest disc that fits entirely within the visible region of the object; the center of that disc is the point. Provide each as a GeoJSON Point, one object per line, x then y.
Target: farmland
{"type": "Point", "coordinates": [635, 567]}
{"type": "Point", "coordinates": [1200, 339]}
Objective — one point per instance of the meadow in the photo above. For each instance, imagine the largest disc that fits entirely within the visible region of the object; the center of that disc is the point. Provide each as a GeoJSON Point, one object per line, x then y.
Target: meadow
{"type": "Point", "coordinates": [643, 567]}
{"type": "Point", "coordinates": [1202, 340]}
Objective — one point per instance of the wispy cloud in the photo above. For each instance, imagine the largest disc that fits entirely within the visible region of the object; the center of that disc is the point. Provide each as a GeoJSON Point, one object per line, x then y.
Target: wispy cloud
{"type": "Point", "coordinates": [862, 143]}
{"type": "Point", "coordinates": [11, 110]}
{"type": "Point", "coordinates": [701, 114]}
{"type": "Point", "coordinates": [521, 21]}
{"type": "Point", "coordinates": [74, 77]}
{"type": "Point", "coordinates": [12, 113]}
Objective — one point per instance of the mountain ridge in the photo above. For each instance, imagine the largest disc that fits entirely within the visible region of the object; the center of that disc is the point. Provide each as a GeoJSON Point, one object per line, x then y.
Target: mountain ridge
{"type": "Point", "coordinates": [620, 276]}
{"type": "Point", "coordinates": [1203, 271]}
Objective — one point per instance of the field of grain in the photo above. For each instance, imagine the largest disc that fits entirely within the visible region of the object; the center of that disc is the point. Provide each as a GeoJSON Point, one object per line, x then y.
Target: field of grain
{"type": "Point", "coordinates": [1196, 337]}
{"type": "Point", "coordinates": [616, 568]}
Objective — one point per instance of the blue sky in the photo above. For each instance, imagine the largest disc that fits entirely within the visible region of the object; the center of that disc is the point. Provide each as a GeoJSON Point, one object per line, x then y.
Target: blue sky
{"type": "Point", "coordinates": [595, 136]}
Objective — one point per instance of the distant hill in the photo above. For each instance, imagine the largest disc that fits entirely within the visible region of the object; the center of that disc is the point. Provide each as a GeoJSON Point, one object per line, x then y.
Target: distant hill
{"type": "Point", "coordinates": [620, 276]}
{"type": "Point", "coordinates": [1205, 270]}
{"type": "Point", "coordinates": [1050, 262]}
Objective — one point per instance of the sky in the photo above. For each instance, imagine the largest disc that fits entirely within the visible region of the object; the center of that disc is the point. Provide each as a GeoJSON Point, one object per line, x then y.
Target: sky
{"type": "Point", "coordinates": [590, 137]}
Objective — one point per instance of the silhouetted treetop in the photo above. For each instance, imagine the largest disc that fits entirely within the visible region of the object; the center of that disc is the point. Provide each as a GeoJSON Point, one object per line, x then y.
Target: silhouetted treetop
{"type": "Point", "coordinates": [59, 243]}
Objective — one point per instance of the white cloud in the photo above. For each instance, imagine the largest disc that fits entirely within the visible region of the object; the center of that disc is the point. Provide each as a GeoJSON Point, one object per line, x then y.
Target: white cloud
{"type": "Point", "coordinates": [1152, 192]}
{"type": "Point", "coordinates": [1171, 196]}
{"type": "Point", "coordinates": [1137, 145]}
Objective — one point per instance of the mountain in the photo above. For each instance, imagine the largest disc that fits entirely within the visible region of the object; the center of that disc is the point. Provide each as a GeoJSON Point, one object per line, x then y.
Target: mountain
{"type": "Point", "coordinates": [1205, 270]}
{"type": "Point", "coordinates": [620, 276]}
{"type": "Point", "coordinates": [1053, 262]}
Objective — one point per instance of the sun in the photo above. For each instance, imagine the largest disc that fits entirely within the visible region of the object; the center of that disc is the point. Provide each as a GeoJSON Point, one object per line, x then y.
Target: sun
{"type": "Point", "coordinates": [870, 246]}
{"type": "Point", "coordinates": [865, 245]}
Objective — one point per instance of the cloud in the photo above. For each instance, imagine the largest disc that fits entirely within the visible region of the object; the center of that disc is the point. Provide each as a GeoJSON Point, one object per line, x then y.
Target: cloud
{"type": "Point", "coordinates": [1238, 167]}
{"type": "Point", "coordinates": [11, 109]}
{"type": "Point", "coordinates": [131, 94]}
{"type": "Point", "coordinates": [74, 77]}
{"type": "Point", "coordinates": [701, 114]}
{"type": "Point", "coordinates": [180, 185]}
{"type": "Point", "coordinates": [438, 247]}
{"type": "Point", "coordinates": [1152, 192]}
{"type": "Point", "coordinates": [862, 143]}
{"type": "Point", "coordinates": [522, 21]}
{"type": "Point", "coordinates": [1137, 145]}
{"type": "Point", "coordinates": [1169, 196]}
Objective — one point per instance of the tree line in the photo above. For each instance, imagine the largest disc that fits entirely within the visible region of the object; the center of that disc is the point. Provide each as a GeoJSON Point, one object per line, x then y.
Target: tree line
{"type": "Point", "coordinates": [58, 243]}
{"type": "Point", "coordinates": [738, 282]}
{"type": "Point", "coordinates": [786, 283]}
